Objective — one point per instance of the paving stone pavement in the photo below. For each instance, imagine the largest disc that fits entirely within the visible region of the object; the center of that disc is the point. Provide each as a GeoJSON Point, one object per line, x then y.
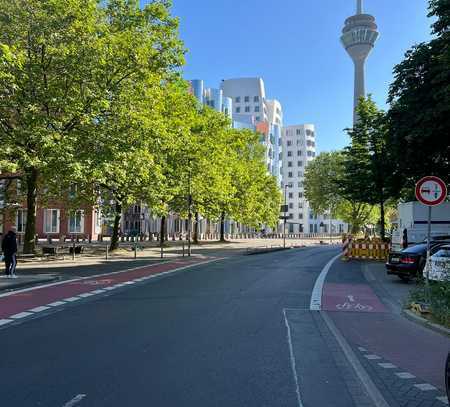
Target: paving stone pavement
{"type": "Point", "coordinates": [400, 387]}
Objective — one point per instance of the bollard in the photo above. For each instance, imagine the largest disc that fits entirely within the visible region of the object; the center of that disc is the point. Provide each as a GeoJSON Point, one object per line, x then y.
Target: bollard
{"type": "Point", "coordinates": [73, 250]}
{"type": "Point", "coordinates": [183, 248]}
{"type": "Point", "coordinates": [107, 249]}
{"type": "Point", "coordinates": [135, 249]}
{"type": "Point", "coordinates": [162, 251]}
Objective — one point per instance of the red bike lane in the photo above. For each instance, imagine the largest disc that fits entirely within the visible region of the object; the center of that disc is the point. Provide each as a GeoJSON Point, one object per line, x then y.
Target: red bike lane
{"type": "Point", "coordinates": [24, 303]}
{"type": "Point", "coordinates": [386, 338]}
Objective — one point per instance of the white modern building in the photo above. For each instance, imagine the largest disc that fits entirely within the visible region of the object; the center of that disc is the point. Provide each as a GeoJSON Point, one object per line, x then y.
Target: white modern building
{"type": "Point", "coordinates": [251, 106]}
{"type": "Point", "coordinates": [299, 149]}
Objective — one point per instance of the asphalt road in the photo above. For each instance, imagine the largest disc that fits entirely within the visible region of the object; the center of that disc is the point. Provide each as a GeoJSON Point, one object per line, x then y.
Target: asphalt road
{"type": "Point", "coordinates": [236, 332]}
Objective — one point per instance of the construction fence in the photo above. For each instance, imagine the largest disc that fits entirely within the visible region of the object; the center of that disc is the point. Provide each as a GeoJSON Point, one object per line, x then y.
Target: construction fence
{"type": "Point", "coordinates": [365, 249]}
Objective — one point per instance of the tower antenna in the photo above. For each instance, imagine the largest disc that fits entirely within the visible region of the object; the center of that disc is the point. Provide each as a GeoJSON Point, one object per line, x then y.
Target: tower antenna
{"type": "Point", "coordinates": [359, 7]}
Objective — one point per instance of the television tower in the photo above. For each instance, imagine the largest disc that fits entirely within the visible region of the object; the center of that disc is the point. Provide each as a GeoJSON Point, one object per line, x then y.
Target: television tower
{"type": "Point", "coordinates": [358, 37]}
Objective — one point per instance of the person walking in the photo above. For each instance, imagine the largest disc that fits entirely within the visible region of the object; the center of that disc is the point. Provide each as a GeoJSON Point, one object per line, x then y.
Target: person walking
{"type": "Point", "coordinates": [9, 248]}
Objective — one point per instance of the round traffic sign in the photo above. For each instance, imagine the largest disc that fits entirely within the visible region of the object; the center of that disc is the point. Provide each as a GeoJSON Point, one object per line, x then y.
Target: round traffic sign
{"type": "Point", "coordinates": [431, 191]}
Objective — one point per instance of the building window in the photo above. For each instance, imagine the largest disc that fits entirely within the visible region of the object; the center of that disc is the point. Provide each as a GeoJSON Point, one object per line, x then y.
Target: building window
{"type": "Point", "coordinates": [300, 205]}
{"type": "Point", "coordinates": [291, 216]}
{"type": "Point", "coordinates": [256, 99]}
{"type": "Point", "coordinates": [289, 153]}
{"type": "Point", "coordinates": [300, 174]}
{"type": "Point", "coordinates": [247, 109]}
{"type": "Point", "coordinates": [289, 163]}
{"type": "Point", "coordinates": [76, 222]}
{"type": "Point", "coordinates": [315, 228]}
{"type": "Point", "coordinates": [21, 220]}
{"type": "Point", "coordinates": [247, 99]}
{"type": "Point", "coordinates": [300, 163]}
{"type": "Point", "coordinates": [290, 185]}
{"type": "Point", "coordinates": [51, 220]}
{"type": "Point", "coordinates": [238, 99]}
{"type": "Point", "coordinates": [291, 195]}
{"type": "Point", "coordinates": [238, 110]}
{"type": "Point", "coordinates": [299, 153]}
{"type": "Point", "coordinates": [300, 215]}
{"type": "Point", "coordinates": [298, 132]}
{"type": "Point", "coordinates": [311, 230]}
{"type": "Point", "coordinates": [300, 184]}
{"type": "Point", "coordinates": [256, 108]}
{"type": "Point", "coordinates": [289, 174]}
{"type": "Point", "coordinates": [289, 143]}
{"type": "Point", "coordinates": [300, 195]}
{"type": "Point", "coordinates": [278, 111]}
{"type": "Point", "coordinates": [258, 118]}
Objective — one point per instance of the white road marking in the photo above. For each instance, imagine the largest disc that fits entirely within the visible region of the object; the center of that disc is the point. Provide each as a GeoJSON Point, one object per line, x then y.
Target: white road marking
{"type": "Point", "coordinates": [405, 375]}
{"type": "Point", "coordinates": [372, 357]}
{"type": "Point", "coordinates": [387, 365]}
{"type": "Point", "coordinates": [5, 321]}
{"type": "Point", "coordinates": [97, 291]}
{"type": "Point", "coordinates": [443, 400]}
{"type": "Point", "coordinates": [56, 304]}
{"type": "Point", "coordinates": [72, 299]}
{"type": "Point", "coordinates": [75, 400]}
{"type": "Point", "coordinates": [425, 387]}
{"type": "Point", "coordinates": [110, 288]}
{"type": "Point", "coordinates": [366, 381]}
{"type": "Point", "coordinates": [39, 309]}
{"type": "Point", "coordinates": [293, 364]}
{"type": "Point", "coordinates": [21, 315]}
{"type": "Point", "coordinates": [316, 296]}
{"type": "Point", "coordinates": [84, 295]}
{"type": "Point", "coordinates": [361, 349]}
{"type": "Point", "coordinates": [129, 282]}
{"type": "Point", "coordinates": [351, 298]}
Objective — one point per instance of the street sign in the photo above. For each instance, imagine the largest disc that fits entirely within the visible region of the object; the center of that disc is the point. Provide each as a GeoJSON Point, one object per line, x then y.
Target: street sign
{"type": "Point", "coordinates": [284, 208]}
{"type": "Point", "coordinates": [431, 191]}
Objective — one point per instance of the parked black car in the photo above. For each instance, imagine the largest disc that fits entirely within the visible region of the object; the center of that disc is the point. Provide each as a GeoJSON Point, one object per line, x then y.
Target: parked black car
{"type": "Point", "coordinates": [410, 262]}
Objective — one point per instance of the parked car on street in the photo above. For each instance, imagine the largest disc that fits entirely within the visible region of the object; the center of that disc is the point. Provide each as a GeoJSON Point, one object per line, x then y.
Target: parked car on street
{"type": "Point", "coordinates": [410, 262]}
{"type": "Point", "coordinates": [440, 264]}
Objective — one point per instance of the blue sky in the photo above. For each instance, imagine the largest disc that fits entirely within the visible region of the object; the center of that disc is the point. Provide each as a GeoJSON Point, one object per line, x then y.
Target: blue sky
{"type": "Point", "coordinates": [294, 46]}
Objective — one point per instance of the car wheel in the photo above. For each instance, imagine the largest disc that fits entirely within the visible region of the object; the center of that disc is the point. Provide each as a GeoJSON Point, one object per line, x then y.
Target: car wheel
{"type": "Point", "coordinates": [447, 376]}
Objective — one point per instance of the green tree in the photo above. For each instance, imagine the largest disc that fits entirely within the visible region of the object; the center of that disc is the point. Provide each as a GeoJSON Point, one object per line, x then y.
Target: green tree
{"type": "Point", "coordinates": [419, 116]}
{"type": "Point", "coordinates": [367, 171]}
{"type": "Point", "coordinates": [323, 180]}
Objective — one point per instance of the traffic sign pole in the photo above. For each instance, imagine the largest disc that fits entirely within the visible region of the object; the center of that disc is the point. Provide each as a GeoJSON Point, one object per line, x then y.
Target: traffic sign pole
{"type": "Point", "coordinates": [428, 262]}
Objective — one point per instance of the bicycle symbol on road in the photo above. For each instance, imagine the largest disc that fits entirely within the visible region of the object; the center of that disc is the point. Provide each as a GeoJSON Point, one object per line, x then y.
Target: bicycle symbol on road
{"type": "Point", "coordinates": [354, 306]}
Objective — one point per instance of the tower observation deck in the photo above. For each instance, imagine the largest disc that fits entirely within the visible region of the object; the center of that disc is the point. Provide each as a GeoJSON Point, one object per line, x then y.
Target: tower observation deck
{"type": "Point", "coordinates": [358, 38]}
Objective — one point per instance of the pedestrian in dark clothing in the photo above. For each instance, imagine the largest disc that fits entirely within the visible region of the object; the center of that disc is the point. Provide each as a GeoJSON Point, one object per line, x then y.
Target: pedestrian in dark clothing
{"type": "Point", "coordinates": [9, 248]}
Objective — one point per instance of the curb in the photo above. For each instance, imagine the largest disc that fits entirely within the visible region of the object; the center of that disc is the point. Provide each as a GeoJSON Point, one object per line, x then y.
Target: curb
{"type": "Point", "coordinates": [264, 251]}
{"type": "Point", "coordinates": [424, 322]}
{"type": "Point", "coordinates": [17, 285]}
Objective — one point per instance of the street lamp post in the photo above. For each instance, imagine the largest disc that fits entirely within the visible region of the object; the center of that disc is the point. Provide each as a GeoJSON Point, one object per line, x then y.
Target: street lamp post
{"type": "Point", "coordinates": [331, 224]}
{"type": "Point", "coordinates": [285, 216]}
{"type": "Point", "coordinates": [189, 210]}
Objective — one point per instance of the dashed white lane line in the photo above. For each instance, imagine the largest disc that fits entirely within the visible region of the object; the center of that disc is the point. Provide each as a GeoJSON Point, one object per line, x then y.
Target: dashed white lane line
{"type": "Point", "coordinates": [39, 309]}
{"type": "Point", "coordinates": [97, 291]}
{"type": "Point", "coordinates": [361, 349]}
{"type": "Point", "coordinates": [405, 375]}
{"type": "Point", "coordinates": [425, 387]}
{"type": "Point", "coordinates": [5, 321]}
{"type": "Point", "coordinates": [21, 315]}
{"type": "Point", "coordinates": [443, 400]}
{"type": "Point", "coordinates": [77, 399]}
{"type": "Point", "coordinates": [72, 299]}
{"type": "Point", "coordinates": [85, 295]}
{"type": "Point", "coordinates": [56, 304]}
{"type": "Point", "coordinates": [129, 282]}
{"type": "Point", "coordinates": [372, 357]}
{"type": "Point", "coordinates": [110, 288]}
{"type": "Point", "coordinates": [387, 365]}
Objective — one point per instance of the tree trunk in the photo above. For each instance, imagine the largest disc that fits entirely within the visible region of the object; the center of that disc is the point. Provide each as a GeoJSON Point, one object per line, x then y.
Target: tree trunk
{"type": "Point", "coordinates": [222, 227]}
{"type": "Point", "coordinates": [382, 223]}
{"type": "Point", "coordinates": [115, 235]}
{"type": "Point", "coordinates": [162, 231]}
{"type": "Point", "coordinates": [195, 238]}
{"type": "Point", "coordinates": [31, 178]}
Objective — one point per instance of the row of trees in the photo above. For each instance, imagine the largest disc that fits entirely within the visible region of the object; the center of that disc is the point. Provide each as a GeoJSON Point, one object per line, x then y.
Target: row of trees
{"type": "Point", "coordinates": [91, 95]}
{"type": "Point", "coordinates": [390, 151]}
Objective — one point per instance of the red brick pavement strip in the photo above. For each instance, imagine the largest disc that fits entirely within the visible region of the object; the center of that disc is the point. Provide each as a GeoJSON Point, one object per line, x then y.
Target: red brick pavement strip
{"type": "Point", "coordinates": [350, 298]}
{"type": "Point", "coordinates": [409, 346]}
{"type": "Point", "coordinates": [28, 299]}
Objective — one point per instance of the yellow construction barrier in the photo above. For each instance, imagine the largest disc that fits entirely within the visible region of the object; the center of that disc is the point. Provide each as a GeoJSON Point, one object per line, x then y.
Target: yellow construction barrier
{"type": "Point", "coordinates": [368, 250]}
